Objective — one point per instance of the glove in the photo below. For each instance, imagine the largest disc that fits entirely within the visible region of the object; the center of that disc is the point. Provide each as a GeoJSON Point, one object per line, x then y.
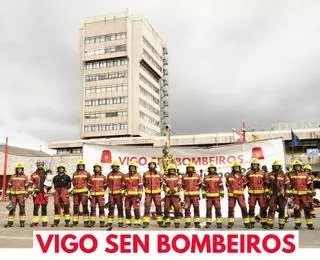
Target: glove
{"type": "Point", "coordinates": [221, 195]}
{"type": "Point", "coordinates": [204, 196]}
{"type": "Point", "coordinates": [10, 196]}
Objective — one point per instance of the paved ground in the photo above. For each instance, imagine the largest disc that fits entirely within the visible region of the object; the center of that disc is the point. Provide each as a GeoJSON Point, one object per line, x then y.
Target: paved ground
{"type": "Point", "coordinates": [17, 237]}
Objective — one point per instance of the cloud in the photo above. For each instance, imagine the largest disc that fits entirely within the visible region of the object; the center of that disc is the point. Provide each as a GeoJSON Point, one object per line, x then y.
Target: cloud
{"type": "Point", "coordinates": [229, 61]}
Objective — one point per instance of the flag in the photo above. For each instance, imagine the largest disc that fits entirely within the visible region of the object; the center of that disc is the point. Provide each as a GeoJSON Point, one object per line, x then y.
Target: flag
{"type": "Point", "coordinates": [294, 139]}
{"type": "Point", "coordinates": [239, 137]}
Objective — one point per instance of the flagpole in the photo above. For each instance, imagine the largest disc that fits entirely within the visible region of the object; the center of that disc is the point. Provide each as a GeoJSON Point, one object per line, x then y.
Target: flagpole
{"type": "Point", "coordinates": [4, 184]}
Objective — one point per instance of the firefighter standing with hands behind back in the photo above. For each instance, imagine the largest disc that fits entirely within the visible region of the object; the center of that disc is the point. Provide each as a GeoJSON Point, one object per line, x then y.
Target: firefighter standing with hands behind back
{"type": "Point", "coordinates": [97, 186]}
{"type": "Point", "coordinates": [17, 192]}
{"type": "Point", "coordinates": [301, 185]}
{"type": "Point", "coordinates": [172, 187]}
{"type": "Point", "coordinates": [80, 180]}
{"type": "Point", "coordinates": [133, 186]}
{"type": "Point", "coordinates": [212, 190]}
{"type": "Point", "coordinates": [191, 184]}
{"type": "Point", "coordinates": [236, 183]}
{"type": "Point", "coordinates": [312, 192]}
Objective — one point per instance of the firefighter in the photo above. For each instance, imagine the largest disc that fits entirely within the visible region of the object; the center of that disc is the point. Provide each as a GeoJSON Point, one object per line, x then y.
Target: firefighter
{"type": "Point", "coordinates": [133, 187]}
{"type": "Point", "coordinates": [152, 182]}
{"type": "Point", "coordinates": [172, 187]}
{"type": "Point", "coordinates": [236, 183]}
{"type": "Point", "coordinates": [40, 194]}
{"type": "Point", "coordinates": [191, 184]}
{"type": "Point", "coordinates": [17, 193]}
{"type": "Point", "coordinates": [312, 192]}
{"type": "Point", "coordinates": [97, 186]}
{"type": "Point", "coordinates": [212, 190]}
{"type": "Point", "coordinates": [80, 180]}
{"type": "Point", "coordinates": [279, 186]}
{"type": "Point", "coordinates": [115, 190]}
{"type": "Point", "coordinates": [62, 184]}
{"type": "Point", "coordinates": [300, 185]}
{"type": "Point", "coordinates": [256, 182]}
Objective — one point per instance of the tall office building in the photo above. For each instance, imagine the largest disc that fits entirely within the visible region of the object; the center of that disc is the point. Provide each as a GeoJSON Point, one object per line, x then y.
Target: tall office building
{"type": "Point", "coordinates": [124, 78]}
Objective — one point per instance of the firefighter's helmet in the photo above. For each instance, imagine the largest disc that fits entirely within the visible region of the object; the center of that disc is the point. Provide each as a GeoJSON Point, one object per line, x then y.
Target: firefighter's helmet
{"type": "Point", "coordinates": [98, 165]}
{"type": "Point", "coordinates": [61, 165]}
{"type": "Point", "coordinates": [39, 162]}
{"type": "Point", "coordinates": [134, 164]}
{"type": "Point", "coordinates": [81, 162]}
{"type": "Point", "coordinates": [171, 166]}
{"type": "Point", "coordinates": [255, 161]}
{"type": "Point", "coordinates": [212, 165]}
{"type": "Point", "coordinates": [190, 165]}
{"type": "Point", "coordinates": [296, 162]}
{"type": "Point", "coordinates": [276, 163]}
{"type": "Point", "coordinates": [153, 161]}
{"type": "Point", "coordinates": [19, 165]}
{"type": "Point", "coordinates": [235, 164]}
{"type": "Point", "coordinates": [307, 167]}
{"type": "Point", "coordinates": [116, 163]}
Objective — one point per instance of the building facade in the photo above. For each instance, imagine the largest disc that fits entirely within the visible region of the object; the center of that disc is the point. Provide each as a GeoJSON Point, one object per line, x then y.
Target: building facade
{"type": "Point", "coordinates": [124, 84]}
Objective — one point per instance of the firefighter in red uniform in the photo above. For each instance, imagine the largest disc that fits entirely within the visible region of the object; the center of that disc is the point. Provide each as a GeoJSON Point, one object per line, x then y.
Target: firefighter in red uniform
{"type": "Point", "coordinates": [212, 190]}
{"type": "Point", "coordinates": [115, 189]}
{"type": "Point", "coordinates": [191, 184]}
{"type": "Point", "coordinates": [256, 182]}
{"type": "Point", "coordinates": [97, 186]}
{"type": "Point", "coordinates": [17, 193]}
{"type": "Point", "coordinates": [312, 192]}
{"type": "Point", "coordinates": [279, 189]}
{"type": "Point", "coordinates": [40, 194]}
{"type": "Point", "coordinates": [172, 187]}
{"type": "Point", "coordinates": [300, 186]}
{"type": "Point", "coordinates": [80, 180]}
{"type": "Point", "coordinates": [133, 188]}
{"type": "Point", "coordinates": [236, 183]}
{"type": "Point", "coordinates": [62, 184]}
{"type": "Point", "coordinates": [152, 182]}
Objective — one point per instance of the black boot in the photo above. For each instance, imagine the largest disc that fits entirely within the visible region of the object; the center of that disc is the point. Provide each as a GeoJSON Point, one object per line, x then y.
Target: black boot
{"type": "Point", "coordinates": [160, 224]}
{"type": "Point", "coordinates": [270, 226]}
{"type": "Point", "coordinates": [197, 225]}
{"type": "Point", "coordinates": [247, 225]}
{"type": "Point", "coordinates": [230, 225]}
{"type": "Point", "coordinates": [310, 226]}
{"type": "Point", "coordinates": [208, 224]}
{"type": "Point", "coordinates": [281, 226]}
{"type": "Point", "coordinates": [264, 225]}
{"type": "Point", "coordinates": [22, 224]}
{"type": "Point", "coordinates": [8, 225]}
{"type": "Point", "coordinates": [219, 225]}
{"type": "Point", "coordinates": [144, 225]}
{"type": "Point", "coordinates": [86, 224]}
{"type": "Point", "coordinates": [44, 224]}
{"type": "Point", "coordinates": [251, 224]}
{"type": "Point", "coordinates": [187, 225]}
{"type": "Point", "coordinates": [120, 225]}
{"type": "Point", "coordinates": [34, 224]}
{"type": "Point", "coordinates": [297, 226]}
{"type": "Point", "coordinates": [109, 228]}
{"type": "Point", "coordinates": [176, 225]}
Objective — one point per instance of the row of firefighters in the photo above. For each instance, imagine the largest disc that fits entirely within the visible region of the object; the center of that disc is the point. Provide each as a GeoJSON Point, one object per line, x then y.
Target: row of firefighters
{"type": "Point", "coordinates": [269, 190]}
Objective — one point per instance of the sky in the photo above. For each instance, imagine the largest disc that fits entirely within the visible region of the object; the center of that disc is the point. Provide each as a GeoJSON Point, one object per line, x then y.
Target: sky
{"type": "Point", "coordinates": [230, 61]}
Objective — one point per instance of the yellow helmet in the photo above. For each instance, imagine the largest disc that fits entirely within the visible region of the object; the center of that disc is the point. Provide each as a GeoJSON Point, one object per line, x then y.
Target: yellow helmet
{"type": "Point", "coordinates": [61, 165]}
{"type": "Point", "coordinates": [276, 163]}
{"type": "Point", "coordinates": [212, 165]}
{"type": "Point", "coordinates": [296, 162]}
{"type": "Point", "coordinates": [99, 165]}
{"type": "Point", "coordinates": [115, 163]}
{"type": "Point", "coordinates": [39, 162]}
{"type": "Point", "coordinates": [80, 162]}
{"type": "Point", "coordinates": [235, 164]}
{"type": "Point", "coordinates": [133, 163]}
{"type": "Point", "coordinates": [307, 167]}
{"type": "Point", "coordinates": [153, 161]}
{"type": "Point", "coordinates": [171, 166]}
{"type": "Point", "coordinates": [255, 161]}
{"type": "Point", "coordinates": [190, 165]}
{"type": "Point", "coordinates": [19, 165]}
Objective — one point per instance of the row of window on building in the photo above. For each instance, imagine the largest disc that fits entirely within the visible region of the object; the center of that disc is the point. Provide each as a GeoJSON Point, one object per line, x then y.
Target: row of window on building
{"type": "Point", "coordinates": [149, 84]}
{"type": "Point", "coordinates": [143, 68]}
{"type": "Point", "coordinates": [152, 60]}
{"type": "Point", "coordinates": [104, 50]}
{"type": "Point", "coordinates": [106, 101]}
{"type": "Point", "coordinates": [106, 114]}
{"type": "Point", "coordinates": [105, 38]}
{"type": "Point", "coordinates": [149, 95]}
{"type": "Point", "coordinates": [148, 130]}
{"type": "Point", "coordinates": [106, 63]}
{"type": "Point", "coordinates": [108, 88]}
{"type": "Point", "coordinates": [105, 76]}
{"type": "Point", "coordinates": [149, 119]}
{"type": "Point", "coordinates": [151, 48]}
{"type": "Point", "coordinates": [105, 127]}
{"type": "Point", "coordinates": [149, 107]}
